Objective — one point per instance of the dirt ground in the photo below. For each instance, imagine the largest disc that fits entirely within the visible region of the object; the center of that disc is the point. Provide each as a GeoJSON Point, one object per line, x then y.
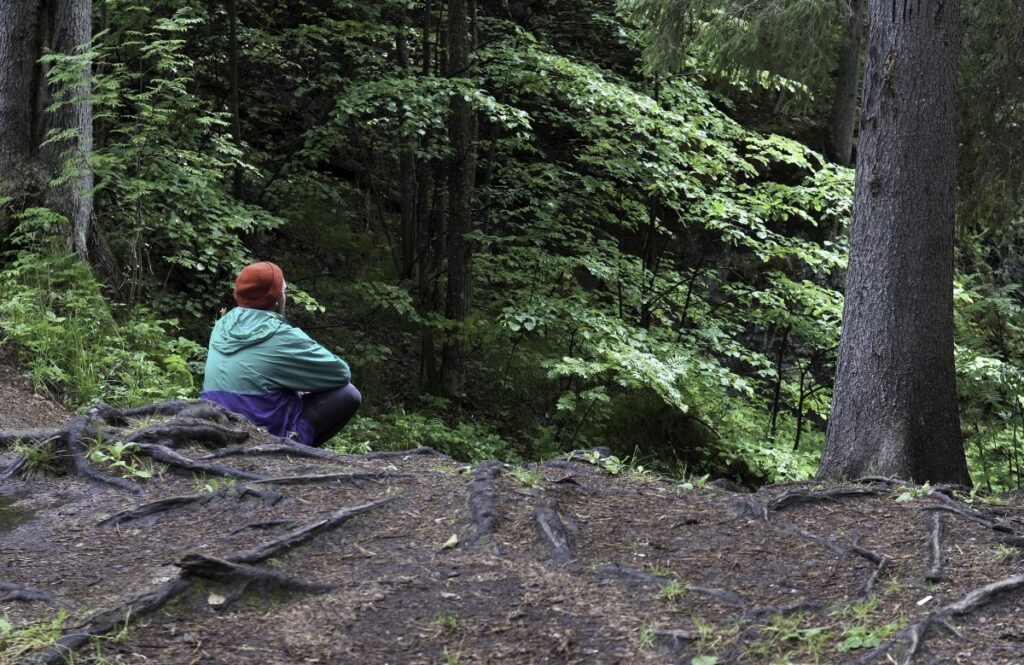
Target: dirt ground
{"type": "Point", "coordinates": [443, 563]}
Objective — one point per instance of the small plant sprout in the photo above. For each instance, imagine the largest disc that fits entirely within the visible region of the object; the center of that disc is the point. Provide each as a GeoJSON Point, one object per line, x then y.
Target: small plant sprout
{"type": "Point", "coordinates": [647, 633]}
{"type": "Point", "coordinates": [17, 641]}
{"type": "Point", "coordinates": [211, 485]}
{"type": "Point", "coordinates": [672, 590]}
{"type": "Point", "coordinates": [119, 456]}
{"type": "Point", "coordinates": [659, 570]}
{"type": "Point", "coordinates": [859, 631]}
{"type": "Point", "coordinates": [38, 458]}
{"type": "Point", "coordinates": [446, 623]}
{"type": "Point", "coordinates": [695, 483]}
{"type": "Point", "coordinates": [911, 493]}
{"type": "Point", "coordinates": [531, 478]}
{"type": "Point", "coordinates": [1007, 553]}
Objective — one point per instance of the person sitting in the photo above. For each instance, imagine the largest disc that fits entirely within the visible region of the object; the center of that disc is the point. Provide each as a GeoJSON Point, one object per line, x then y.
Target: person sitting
{"type": "Point", "coordinates": [262, 367]}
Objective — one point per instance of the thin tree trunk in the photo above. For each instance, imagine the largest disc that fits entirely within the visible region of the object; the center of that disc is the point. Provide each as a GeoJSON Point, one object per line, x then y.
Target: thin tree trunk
{"type": "Point", "coordinates": [894, 411]}
{"type": "Point", "coordinates": [461, 177]}
{"type": "Point", "coordinates": [236, 120]}
{"type": "Point", "coordinates": [409, 232]}
{"type": "Point", "coordinates": [844, 105]}
{"type": "Point", "coordinates": [780, 359]}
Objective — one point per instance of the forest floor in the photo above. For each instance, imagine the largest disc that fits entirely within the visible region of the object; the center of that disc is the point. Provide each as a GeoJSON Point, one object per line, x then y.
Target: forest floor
{"type": "Point", "coordinates": [415, 558]}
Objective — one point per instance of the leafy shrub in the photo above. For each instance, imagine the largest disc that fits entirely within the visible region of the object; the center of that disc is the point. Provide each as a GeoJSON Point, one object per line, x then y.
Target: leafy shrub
{"type": "Point", "coordinates": [64, 331]}
{"type": "Point", "coordinates": [467, 442]}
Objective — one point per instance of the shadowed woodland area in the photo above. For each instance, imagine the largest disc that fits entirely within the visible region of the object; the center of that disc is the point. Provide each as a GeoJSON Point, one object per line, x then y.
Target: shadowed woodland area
{"type": "Point", "coordinates": [688, 331]}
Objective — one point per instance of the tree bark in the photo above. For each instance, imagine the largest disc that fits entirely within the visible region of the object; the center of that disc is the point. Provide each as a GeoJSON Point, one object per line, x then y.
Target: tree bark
{"type": "Point", "coordinates": [28, 28]}
{"type": "Point", "coordinates": [19, 51]}
{"type": "Point", "coordinates": [844, 105]}
{"type": "Point", "coordinates": [461, 177]}
{"type": "Point", "coordinates": [894, 410]}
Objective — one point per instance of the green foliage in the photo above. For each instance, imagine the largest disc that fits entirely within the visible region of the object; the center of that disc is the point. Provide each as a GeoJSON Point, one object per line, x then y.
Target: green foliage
{"type": "Point", "coordinates": [120, 458]}
{"type": "Point", "coordinates": [203, 484]}
{"type": "Point", "coordinates": [990, 381]}
{"type": "Point", "coordinates": [64, 330]}
{"type": "Point", "coordinates": [672, 590]}
{"type": "Point", "coordinates": [860, 629]}
{"type": "Point", "coordinates": [165, 163]}
{"type": "Point", "coordinates": [38, 457]}
{"type": "Point", "coordinates": [532, 478]}
{"type": "Point", "coordinates": [16, 641]}
{"type": "Point", "coordinates": [401, 431]}
{"type": "Point", "coordinates": [446, 623]}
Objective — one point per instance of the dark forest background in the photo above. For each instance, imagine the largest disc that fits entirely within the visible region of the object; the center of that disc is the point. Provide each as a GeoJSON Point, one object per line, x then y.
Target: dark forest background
{"type": "Point", "coordinates": [531, 226]}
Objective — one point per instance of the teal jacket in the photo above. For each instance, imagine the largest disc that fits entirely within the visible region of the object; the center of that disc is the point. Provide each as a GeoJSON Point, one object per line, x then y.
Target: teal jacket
{"type": "Point", "coordinates": [258, 364]}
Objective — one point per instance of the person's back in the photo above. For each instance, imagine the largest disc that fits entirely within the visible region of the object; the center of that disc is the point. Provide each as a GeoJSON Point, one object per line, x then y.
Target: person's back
{"type": "Point", "coordinates": [264, 368]}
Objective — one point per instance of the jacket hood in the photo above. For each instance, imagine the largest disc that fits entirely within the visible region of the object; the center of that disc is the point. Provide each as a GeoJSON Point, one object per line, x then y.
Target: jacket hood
{"type": "Point", "coordinates": [242, 327]}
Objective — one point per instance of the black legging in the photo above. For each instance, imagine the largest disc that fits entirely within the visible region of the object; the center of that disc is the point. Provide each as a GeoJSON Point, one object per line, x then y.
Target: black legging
{"type": "Point", "coordinates": [329, 411]}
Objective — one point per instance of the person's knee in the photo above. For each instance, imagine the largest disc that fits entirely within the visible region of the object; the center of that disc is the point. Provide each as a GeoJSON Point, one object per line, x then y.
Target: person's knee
{"type": "Point", "coordinates": [354, 397]}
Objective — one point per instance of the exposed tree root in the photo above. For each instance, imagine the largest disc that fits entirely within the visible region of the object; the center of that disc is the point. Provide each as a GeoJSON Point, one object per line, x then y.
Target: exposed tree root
{"type": "Point", "coordinates": [752, 507]}
{"type": "Point", "coordinates": [265, 524]}
{"type": "Point", "coordinates": [224, 570]}
{"type": "Point", "coordinates": [200, 422]}
{"type": "Point", "coordinates": [153, 508]}
{"type": "Point", "coordinates": [797, 498]}
{"type": "Point", "coordinates": [934, 573]}
{"type": "Point", "coordinates": [231, 567]}
{"type": "Point", "coordinates": [175, 459]}
{"type": "Point", "coordinates": [880, 561]}
{"type": "Point", "coordinates": [721, 595]}
{"type": "Point", "coordinates": [1014, 541]}
{"type": "Point", "coordinates": [350, 477]}
{"type": "Point", "coordinates": [883, 480]}
{"type": "Point", "coordinates": [105, 622]}
{"type": "Point", "coordinates": [951, 505]}
{"type": "Point", "coordinates": [914, 635]}
{"type": "Point", "coordinates": [286, 449]}
{"type": "Point", "coordinates": [174, 502]}
{"type": "Point", "coordinates": [179, 432]}
{"type": "Point", "coordinates": [552, 531]}
{"type": "Point", "coordinates": [297, 537]}
{"type": "Point", "coordinates": [12, 592]}
{"type": "Point", "coordinates": [827, 543]}
{"type": "Point", "coordinates": [871, 555]}
{"type": "Point", "coordinates": [14, 468]}
{"type": "Point", "coordinates": [483, 500]}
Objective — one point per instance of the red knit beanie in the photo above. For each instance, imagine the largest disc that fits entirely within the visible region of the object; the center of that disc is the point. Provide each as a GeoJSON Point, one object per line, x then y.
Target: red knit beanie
{"type": "Point", "coordinates": [259, 286]}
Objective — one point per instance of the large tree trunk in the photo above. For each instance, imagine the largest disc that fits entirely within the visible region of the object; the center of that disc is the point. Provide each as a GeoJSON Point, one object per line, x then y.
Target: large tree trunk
{"type": "Point", "coordinates": [461, 177]}
{"type": "Point", "coordinates": [894, 410]}
{"type": "Point", "coordinates": [844, 104]}
{"type": "Point", "coordinates": [27, 29]}
{"type": "Point", "coordinates": [18, 75]}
